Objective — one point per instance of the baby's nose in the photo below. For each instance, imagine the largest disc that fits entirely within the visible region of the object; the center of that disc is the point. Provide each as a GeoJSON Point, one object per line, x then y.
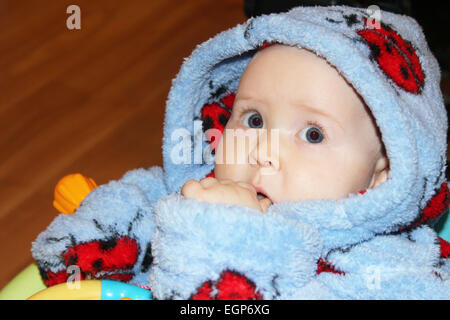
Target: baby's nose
{"type": "Point", "coordinates": [265, 154]}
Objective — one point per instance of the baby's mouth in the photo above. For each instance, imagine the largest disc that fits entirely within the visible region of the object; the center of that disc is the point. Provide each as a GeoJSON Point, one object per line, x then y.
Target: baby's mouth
{"type": "Point", "coordinates": [261, 195]}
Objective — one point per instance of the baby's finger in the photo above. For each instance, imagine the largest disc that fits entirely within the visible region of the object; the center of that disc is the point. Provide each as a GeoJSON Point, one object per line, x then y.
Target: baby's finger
{"type": "Point", "coordinates": [190, 188]}
{"type": "Point", "coordinates": [208, 182]}
{"type": "Point", "coordinates": [265, 203]}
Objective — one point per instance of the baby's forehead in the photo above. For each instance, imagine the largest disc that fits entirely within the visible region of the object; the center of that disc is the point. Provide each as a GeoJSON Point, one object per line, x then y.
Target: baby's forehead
{"type": "Point", "coordinates": [302, 79]}
{"type": "Point", "coordinates": [278, 49]}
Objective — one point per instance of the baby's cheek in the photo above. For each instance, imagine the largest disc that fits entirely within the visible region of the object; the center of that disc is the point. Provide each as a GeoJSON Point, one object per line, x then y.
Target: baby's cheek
{"type": "Point", "coordinates": [331, 177]}
{"type": "Point", "coordinates": [358, 171]}
{"type": "Point", "coordinates": [302, 181]}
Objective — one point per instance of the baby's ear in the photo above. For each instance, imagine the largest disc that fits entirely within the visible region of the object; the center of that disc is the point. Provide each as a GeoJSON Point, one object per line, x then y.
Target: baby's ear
{"type": "Point", "coordinates": [381, 172]}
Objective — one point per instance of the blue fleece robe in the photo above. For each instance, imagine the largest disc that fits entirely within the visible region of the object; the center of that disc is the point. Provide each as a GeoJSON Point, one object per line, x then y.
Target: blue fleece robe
{"type": "Point", "coordinates": [377, 243]}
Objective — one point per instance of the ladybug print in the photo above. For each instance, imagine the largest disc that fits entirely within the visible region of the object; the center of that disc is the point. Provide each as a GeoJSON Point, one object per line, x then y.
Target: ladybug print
{"type": "Point", "coordinates": [98, 259]}
{"type": "Point", "coordinates": [216, 115]}
{"type": "Point", "coordinates": [445, 248]}
{"type": "Point", "coordinates": [265, 45]}
{"type": "Point", "coordinates": [324, 266]}
{"type": "Point", "coordinates": [395, 56]}
{"type": "Point", "coordinates": [437, 205]}
{"type": "Point", "coordinates": [230, 286]}
{"type": "Point", "coordinates": [104, 256]}
{"type": "Point", "coordinates": [211, 174]}
{"type": "Point", "coordinates": [228, 100]}
{"type": "Point", "coordinates": [54, 278]}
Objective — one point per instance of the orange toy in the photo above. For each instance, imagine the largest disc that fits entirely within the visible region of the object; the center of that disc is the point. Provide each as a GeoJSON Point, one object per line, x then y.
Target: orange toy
{"type": "Point", "coordinates": [70, 191]}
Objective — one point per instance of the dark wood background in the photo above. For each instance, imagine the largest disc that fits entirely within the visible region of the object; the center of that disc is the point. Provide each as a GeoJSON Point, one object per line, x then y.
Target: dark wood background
{"type": "Point", "coordinates": [89, 100]}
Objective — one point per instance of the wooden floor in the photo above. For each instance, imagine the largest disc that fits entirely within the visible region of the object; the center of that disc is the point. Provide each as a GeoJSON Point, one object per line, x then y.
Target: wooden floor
{"type": "Point", "coordinates": [89, 101]}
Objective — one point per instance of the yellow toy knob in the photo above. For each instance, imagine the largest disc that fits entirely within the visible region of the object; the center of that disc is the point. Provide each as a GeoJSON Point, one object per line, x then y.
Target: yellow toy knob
{"type": "Point", "coordinates": [70, 191]}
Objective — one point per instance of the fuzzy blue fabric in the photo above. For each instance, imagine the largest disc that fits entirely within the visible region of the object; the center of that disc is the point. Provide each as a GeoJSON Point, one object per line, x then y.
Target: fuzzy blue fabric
{"type": "Point", "coordinates": [193, 242]}
{"type": "Point", "coordinates": [118, 208]}
{"type": "Point", "coordinates": [208, 238]}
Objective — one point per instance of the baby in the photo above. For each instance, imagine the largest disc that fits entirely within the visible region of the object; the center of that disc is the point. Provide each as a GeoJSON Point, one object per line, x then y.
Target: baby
{"type": "Point", "coordinates": [330, 145]}
{"type": "Point", "coordinates": [351, 112]}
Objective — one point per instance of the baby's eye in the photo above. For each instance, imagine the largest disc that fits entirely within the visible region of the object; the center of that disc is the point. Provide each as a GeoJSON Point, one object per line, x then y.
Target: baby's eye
{"type": "Point", "coordinates": [253, 119]}
{"type": "Point", "coordinates": [311, 134]}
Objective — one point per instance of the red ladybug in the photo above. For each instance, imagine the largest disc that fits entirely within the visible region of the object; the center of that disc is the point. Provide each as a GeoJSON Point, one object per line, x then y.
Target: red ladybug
{"type": "Point", "coordinates": [437, 205]}
{"type": "Point", "coordinates": [395, 56]}
{"type": "Point", "coordinates": [215, 116]}
{"type": "Point", "coordinates": [98, 259]}
{"type": "Point", "coordinates": [230, 286]}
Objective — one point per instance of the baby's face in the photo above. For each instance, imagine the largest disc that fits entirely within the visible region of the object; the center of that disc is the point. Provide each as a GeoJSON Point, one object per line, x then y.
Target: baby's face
{"type": "Point", "coordinates": [328, 143]}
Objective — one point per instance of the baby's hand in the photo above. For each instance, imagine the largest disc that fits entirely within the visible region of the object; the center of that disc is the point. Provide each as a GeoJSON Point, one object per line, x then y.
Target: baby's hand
{"type": "Point", "coordinates": [224, 191]}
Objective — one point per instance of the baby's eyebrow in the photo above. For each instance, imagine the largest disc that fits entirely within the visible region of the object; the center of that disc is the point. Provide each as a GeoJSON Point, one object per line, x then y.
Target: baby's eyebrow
{"type": "Point", "coordinates": [299, 104]}
{"type": "Point", "coordinates": [320, 112]}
